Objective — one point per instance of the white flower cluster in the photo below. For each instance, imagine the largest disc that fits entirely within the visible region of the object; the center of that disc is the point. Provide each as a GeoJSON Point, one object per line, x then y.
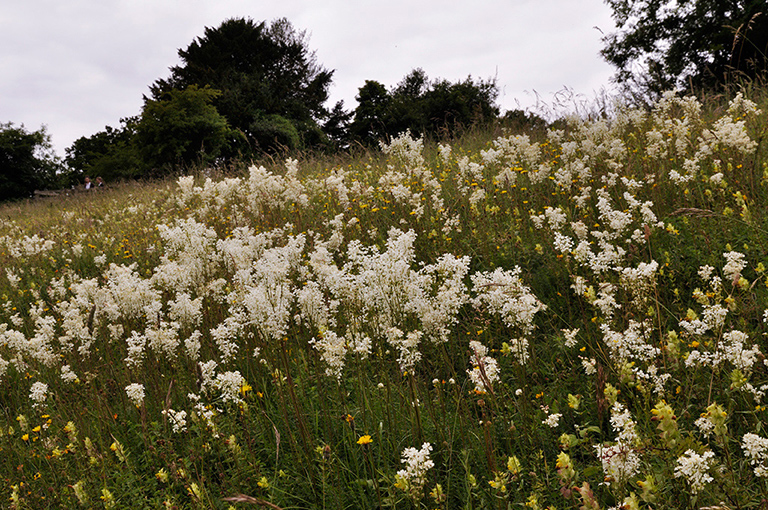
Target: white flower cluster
{"type": "Point", "coordinates": [756, 450]}
{"type": "Point", "coordinates": [735, 263]}
{"type": "Point", "coordinates": [261, 192]}
{"type": "Point", "coordinates": [695, 469]}
{"type": "Point", "coordinates": [378, 292]}
{"type": "Point", "coordinates": [417, 463]}
{"type": "Point", "coordinates": [504, 293]}
{"type": "Point", "coordinates": [135, 393]}
{"type": "Point", "coordinates": [178, 420]}
{"type": "Point", "coordinates": [485, 369]}
{"type": "Point", "coordinates": [570, 337]}
{"type": "Point", "coordinates": [623, 425]}
{"type": "Point", "coordinates": [632, 344]}
{"type": "Point", "coordinates": [230, 384]}
{"type": "Point", "coordinates": [620, 460]}
{"type": "Point", "coordinates": [26, 246]}
{"type": "Point", "coordinates": [552, 420]}
{"type": "Point", "coordinates": [333, 350]}
{"type": "Point", "coordinates": [38, 393]}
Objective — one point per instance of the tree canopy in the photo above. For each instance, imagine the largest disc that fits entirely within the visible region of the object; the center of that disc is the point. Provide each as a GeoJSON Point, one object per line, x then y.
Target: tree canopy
{"type": "Point", "coordinates": [245, 88]}
{"type": "Point", "coordinates": [27, 161]}
{"type": "Point", "coordinates": [423, 107]}
{"type": "Point", "coordinates": [686, 44]}
{"type": "Point", "coordinates": [111, 153]}
{"type": "Point", "coordinates": [183, 127]}
{"type": "Point", "coordinates": [272, 88]}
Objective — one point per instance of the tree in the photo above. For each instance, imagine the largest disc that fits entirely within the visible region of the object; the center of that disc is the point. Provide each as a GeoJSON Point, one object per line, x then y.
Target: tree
{"type": "Point", "coordinates": [425, 108]}
{"type": "Point", "coordinates": [111, 154]}
{"type": "Point", "coordinates": [686, 44]}
{"type": "Point", "coordinates": [336, 126]}
{"type": "Point", "coordinates": [451, 106]}
{"type": "Point", "coordinates": [183, 128]}
{"type": "Point", "coordinates": [371, 117]}
{"type": "Point", "coordinates": [272, 89]}
{"type": "Point", "coordinates": [27, 161]}
{"type": "Point", "coordinates": [522, 121]}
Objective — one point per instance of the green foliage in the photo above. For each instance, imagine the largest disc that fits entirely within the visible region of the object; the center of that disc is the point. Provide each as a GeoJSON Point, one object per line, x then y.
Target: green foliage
{"type": "Point", "coordinates": [27, 162]}
{"type": "Point", "coordinates": [336, 127]}
{"type": "Point", "coordinates": [572, 318]}
{"type": "Point", "coordinates": [691, 45]}
{"type": "Point", "coordinates": [184, 128]}
{"type": "Point", "coordinates": [267, 77]}
{"type": "Point", "coordinates": [435, 109]}
{"type": "Point", "coordinates": [111, 154]}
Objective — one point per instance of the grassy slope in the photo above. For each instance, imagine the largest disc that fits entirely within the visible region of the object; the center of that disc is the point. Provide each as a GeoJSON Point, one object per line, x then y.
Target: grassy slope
{"type": "Point", "coordinates": [228, 271]}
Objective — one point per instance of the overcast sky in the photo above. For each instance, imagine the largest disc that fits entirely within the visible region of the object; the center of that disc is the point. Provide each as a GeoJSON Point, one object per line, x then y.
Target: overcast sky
{"type": "Point", "coordinates": [76, 66]}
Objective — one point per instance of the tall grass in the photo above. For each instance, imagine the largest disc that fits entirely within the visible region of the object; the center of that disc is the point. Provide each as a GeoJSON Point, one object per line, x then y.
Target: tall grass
{"type": "Point", "coordinates": [572, 318]}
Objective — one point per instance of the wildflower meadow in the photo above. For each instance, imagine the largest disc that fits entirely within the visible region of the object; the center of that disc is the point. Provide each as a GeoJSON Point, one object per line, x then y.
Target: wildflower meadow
{"type": "Point", "coordinates": [565, 318]}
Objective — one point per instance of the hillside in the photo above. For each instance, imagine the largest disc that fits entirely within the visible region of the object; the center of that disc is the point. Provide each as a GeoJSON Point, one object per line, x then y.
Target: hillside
{"type": "Point", "coordinates": [571, 318]}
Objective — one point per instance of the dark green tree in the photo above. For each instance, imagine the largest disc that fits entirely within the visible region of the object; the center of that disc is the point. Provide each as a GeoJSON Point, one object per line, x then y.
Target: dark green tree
{"type": "Point", "coordinates": [371, 117]}
{"type": "Point", "coordinates": [686, 44]}
{"type": "Point", "coordinates": [522, 121]}
{"type": "Point", "coordinates": [449, 107]}
{"type": "Point", "coordinates": [336, 127]}
{"type": "Point", "coordinates": [438, 108]}
{"type": "Point", "coordinates": [111, 154]}
{"type": "Point", "coordinates": [272, 88]}
{"type": "Point", "coordinates": [27, 162]}
{"type": "Point", "coordinates": [184, 128]}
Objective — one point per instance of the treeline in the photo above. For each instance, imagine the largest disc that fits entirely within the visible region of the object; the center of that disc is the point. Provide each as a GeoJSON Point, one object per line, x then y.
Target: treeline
{"type": "Point", "coordinates": [245, 89]}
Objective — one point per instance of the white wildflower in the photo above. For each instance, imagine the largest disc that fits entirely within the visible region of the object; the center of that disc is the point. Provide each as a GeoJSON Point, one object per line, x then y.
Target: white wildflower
{"type": "Point", "coordinates": [178, 420]}
{"type": "Point", "coordinates": [695, 468]}
{"type": "Point", "coordinates": [705, 426]}
{"type": "Point", "coordinates": [519, 348]}
{"type": "Point", "coordinates": [756, 450]}
{"type": "Point", "coordinates": [192, 345]}
{"type": "Point", "coordinates": [620, 462]}
{"type": "Point", "coordinates": [333, 350]}
{"type": "Point", "coordinates": [485, 370]}
{"type": "Point", "coordinates": [413, 478]}
{"type": "Point", "coordinates": [570, 336]}
{"type": "Point", "coordinates": [505, 294]}
{"type": "Point", "coordinates": [552, 420]}
{"type": "Point", "coordinates": [229, 384]}
{"type": "Point", "coordinates": [589, 365]}
{"type": "Point", "coordinates": [38, 393]}
{"type": "Point", "coordinates": [407, 345]}
{"type": "Point", "coordinates": [734, 264]}
{"type": "Point", "coordinates": [67, 375]}
{"type": "Point", "coordinates": [623, 425]}
{"type": "Point", "coordinates": [135, 393]}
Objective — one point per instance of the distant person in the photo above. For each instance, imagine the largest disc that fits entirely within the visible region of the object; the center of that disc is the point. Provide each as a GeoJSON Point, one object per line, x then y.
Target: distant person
{"type": "Point", "coordinates": [99, 182]}
{"type": "Point", "coordinates": [88, 184]}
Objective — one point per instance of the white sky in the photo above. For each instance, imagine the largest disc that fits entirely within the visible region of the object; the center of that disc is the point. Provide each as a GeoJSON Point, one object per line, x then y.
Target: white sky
{"type": "Point", "coordinates": [76, 66]}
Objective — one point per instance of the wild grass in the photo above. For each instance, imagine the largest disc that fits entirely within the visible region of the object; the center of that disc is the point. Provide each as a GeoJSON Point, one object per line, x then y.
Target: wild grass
{"type": "Point", "coordinates": [562, 319]}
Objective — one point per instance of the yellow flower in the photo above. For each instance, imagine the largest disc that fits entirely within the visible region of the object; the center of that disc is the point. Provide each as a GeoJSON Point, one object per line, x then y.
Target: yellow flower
{"type": "Point", "coordinates": [513, 465]}
{"type": "Point", "coordinates": [162, 475]}
{"type": "Point", "coordinates": [25, 437]}
{"type": "Point", "coordinates": [364, 440]}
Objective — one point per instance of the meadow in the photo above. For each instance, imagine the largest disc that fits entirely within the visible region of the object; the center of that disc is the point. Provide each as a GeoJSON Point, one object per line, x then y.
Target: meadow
{"type": "Point", "coordinates": [570, 318]}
